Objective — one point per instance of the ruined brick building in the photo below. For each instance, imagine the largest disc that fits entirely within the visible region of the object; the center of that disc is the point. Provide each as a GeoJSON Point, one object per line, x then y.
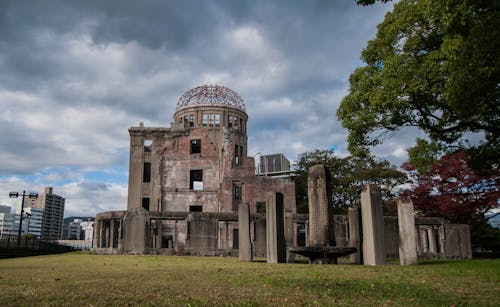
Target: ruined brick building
{"type": "Point", "coordinates": [186, 182]}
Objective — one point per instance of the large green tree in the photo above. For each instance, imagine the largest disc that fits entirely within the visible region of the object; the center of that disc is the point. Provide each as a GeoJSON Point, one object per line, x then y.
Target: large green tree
{"type": "Point", "coordinates": [348, 175]}
{"type": "Point", "coordinates": [434, 64]}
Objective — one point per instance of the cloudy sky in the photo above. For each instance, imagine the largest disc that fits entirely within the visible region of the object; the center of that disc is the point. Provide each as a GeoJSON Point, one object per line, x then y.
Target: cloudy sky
{"type": "Point", "coordinates": [75, 75]}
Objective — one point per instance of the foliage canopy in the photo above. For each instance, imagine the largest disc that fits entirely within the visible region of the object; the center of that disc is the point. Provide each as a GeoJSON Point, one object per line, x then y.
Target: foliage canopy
{"type": "Point", "coordinates": [434, 65]}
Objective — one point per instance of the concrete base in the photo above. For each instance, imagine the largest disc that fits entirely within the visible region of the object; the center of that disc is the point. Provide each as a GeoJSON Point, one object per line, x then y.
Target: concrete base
{"type": "Point", "coordinates": [323, 254]}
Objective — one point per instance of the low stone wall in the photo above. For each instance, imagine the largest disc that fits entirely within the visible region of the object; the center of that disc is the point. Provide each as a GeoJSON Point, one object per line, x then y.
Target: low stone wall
{"type": "Point", "coordinates": [216, 234]}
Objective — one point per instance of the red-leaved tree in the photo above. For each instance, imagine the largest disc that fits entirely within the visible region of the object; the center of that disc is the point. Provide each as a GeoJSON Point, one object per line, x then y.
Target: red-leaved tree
{"type": "Point", "coordinates": [452, 190]}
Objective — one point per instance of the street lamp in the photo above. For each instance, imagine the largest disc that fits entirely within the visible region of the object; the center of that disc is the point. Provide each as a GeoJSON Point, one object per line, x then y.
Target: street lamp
{"type": "Point", "coordinates": [16, 195]}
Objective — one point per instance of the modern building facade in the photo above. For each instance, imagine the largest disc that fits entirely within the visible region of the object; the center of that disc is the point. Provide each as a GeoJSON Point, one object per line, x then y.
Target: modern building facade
{"type": "Point", "coordinates": [9, 225]}
{"type": "Point", "coordinates": [5, 209]}
{"type": "Point", "coordinates": [195, 170]}
{"type": "Point", "coordinates": [53, 213]}
{"type": "Point", "coordinates": [32, 221]}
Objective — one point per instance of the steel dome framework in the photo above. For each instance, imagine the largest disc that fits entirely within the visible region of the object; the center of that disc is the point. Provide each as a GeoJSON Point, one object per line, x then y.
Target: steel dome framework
{"type": "Point", "coordinates": [210, 95]}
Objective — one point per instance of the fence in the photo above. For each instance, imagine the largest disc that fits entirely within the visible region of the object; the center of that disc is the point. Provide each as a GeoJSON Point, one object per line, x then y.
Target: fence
{"type": "Point", "coordinates": [29, 246]}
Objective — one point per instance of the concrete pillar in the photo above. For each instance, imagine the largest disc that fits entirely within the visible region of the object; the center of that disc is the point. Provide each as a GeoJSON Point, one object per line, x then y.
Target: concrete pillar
{"type": "Point", "coordinates": [245, 248]}
{"type": "Point", "coordinates": [97, 231]}
{"type": "Point", "coordinates": [112, 233]}
{"type": "Point", "coordinates": [160, 233]}
{"type": "Point", "coordinates": [432, 240]}
{"type": "Point", "coordinates": [275, 233]}
{"type": "Point", "coordinates": [355, 235]}
{"type": "Point", "coordinates": [372, 218]}
{"type": "Point", "coordinates": [441, 240]}
{"type": "Point", "coordinates": [319, 217]}
{"type": "Point", "coordinates": [407, 233]}
{"type": "Point", "coordinates": [102, 238]}
{"type": "Point", "coordinates": [424, 240]}
{"type": "Point", "coordinates": [120, 229]}
{"type": "Point", "coordinates": [289, 236]}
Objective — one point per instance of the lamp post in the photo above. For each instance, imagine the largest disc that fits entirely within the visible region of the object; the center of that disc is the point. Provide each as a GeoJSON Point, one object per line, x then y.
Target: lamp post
{"type": "Point", "coordinates": [16, 195]}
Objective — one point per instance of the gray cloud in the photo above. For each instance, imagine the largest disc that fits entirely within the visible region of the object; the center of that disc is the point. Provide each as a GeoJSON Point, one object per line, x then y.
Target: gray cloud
{"type": "Point", "coordinates": [74, 75]}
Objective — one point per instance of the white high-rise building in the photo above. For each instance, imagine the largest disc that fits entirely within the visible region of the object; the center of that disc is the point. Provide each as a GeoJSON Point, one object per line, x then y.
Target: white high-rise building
{"type": "Point", "coordinates": [88, 230]}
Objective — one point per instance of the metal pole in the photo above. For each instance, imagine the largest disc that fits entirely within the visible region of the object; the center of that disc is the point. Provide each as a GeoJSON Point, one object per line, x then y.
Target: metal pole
{"type": "Point", "coordinates": [20, 220]}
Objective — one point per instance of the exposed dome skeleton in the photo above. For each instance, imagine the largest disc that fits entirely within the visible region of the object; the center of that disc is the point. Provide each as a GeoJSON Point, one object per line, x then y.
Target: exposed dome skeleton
{"type": "Point", "coordinates": [210, 95]}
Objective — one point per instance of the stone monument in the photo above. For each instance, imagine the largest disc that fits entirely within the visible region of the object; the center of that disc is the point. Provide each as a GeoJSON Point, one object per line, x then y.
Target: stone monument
{"type": "Point", "coordinates": [372, 220]}
{"type": "Point", "coordinates": [321, 238]}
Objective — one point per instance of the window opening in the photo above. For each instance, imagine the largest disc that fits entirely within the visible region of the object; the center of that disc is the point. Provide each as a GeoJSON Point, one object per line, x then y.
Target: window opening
{"type": "Point", "coordinates": [204, 119]}
{"type": "Point", "coordinates": [261, 206]}
{"type": "Point", "coordinates": [195, 208]}
{"type": "Point", "coordinates": [237, 192]}
{"type": "Point", "coordinates": [145, 203]}
{"type": "Point", "coordinates": [146, 175]}
{"type": "Point", "coordinates": [191, 120]}
{"type": "Point", "coordinates": [147, 145]}
{"type": "Point", "coordinates": [238, 154]}
{"type": "Point", "coordinates": [195, 146]}
{"type": "Point", "coordinates": [196, 179]}
{"type": "Point", "coordinates": [233, 122]}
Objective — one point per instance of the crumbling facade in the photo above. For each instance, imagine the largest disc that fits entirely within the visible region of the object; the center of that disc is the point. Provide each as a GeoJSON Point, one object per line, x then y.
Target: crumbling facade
{"type": "Point", "coordinates": [186, 182]}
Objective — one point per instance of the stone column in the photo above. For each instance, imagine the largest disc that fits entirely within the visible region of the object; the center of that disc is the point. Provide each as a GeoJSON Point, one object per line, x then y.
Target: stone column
{"type": "Point", "coordinates": [319, 213]}
{"type": "Point", "coordinates": [111, 233]}
{"type": "Point", "coordinates": [355, 235]}
{"type": "Point", "coordinates": [432, 240]}
{"type": "Point", "coordinates": [407, 233]}
{"type": "Point", "coordinates": [275, 233]}
{"type": "Point", "coordinates": [319, 217]}
{"type": "Point", "coordinates": [424, 240]}
{"type": "Point", "coordinates": [97, 231]}
{"type": "Point", "coordinates": [120, 234]}
{"type": "Point", "coordinates": [102, 235]}
{"type": "Point", "coordinates": [245, 248]}
{"type": "Point", "coordinates": [372, 219]}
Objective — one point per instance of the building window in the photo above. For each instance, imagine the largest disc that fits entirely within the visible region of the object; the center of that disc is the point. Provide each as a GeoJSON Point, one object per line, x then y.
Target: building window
{"type": "Point", "coordinates": [195, 146]}
{"type": "Point", "coordinates": [147, 145]}
{"type": "Point", "coordinates": [261, 206]}
{"type": "Point", "coordinates": [233, 122]}
{"type": "Point", "coordinates": [145, 203]}
{"type": "Point", "coordinates": [238, 154]}
{"type": "Point", "coordinates": [191, 120]}
{"type": "Point", "coordinates": [146, 174]}
{"type": "Point", "coordinates": [210, 119]}
{"type": "Point", "coordinates": [195, 208]}
{"type": "Point", "coordinates": [196, 179]}
{"type": "Point", "coordinates": [237, 193]}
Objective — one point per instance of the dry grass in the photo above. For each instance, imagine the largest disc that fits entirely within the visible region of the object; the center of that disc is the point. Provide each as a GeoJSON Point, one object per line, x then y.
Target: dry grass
{"type": "Point", "coordinates": [83, 279]}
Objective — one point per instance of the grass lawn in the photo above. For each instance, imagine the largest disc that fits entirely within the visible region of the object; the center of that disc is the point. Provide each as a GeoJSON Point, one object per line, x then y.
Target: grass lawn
{"type": "Point", "coordinates": [83, 279]}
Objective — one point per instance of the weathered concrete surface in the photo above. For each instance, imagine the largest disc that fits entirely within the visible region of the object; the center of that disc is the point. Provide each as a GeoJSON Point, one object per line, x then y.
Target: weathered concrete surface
{"type": "Point", "coordinates": [275, 232]}
{"type": "Point", "coordinates": [319, 213]}
{"type": "Point", "coordinates": [407, 233]}
{"type": "Point", "coordinates": [323, 254]}
{"type": "Point", "coordinates": [457, 242]}
{"type": "Point", "coordinates": [374, 252]}
{"type": "Point", "coordinates": [245, 244]}
{"type": "Point", "coordinates": [135, 231]}
{"type": "Point", "coordinates": [355, 235]}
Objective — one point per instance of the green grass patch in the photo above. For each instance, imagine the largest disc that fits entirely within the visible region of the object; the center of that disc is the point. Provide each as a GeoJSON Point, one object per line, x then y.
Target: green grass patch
{"type": "Point", "coordinates": [83, 279]}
